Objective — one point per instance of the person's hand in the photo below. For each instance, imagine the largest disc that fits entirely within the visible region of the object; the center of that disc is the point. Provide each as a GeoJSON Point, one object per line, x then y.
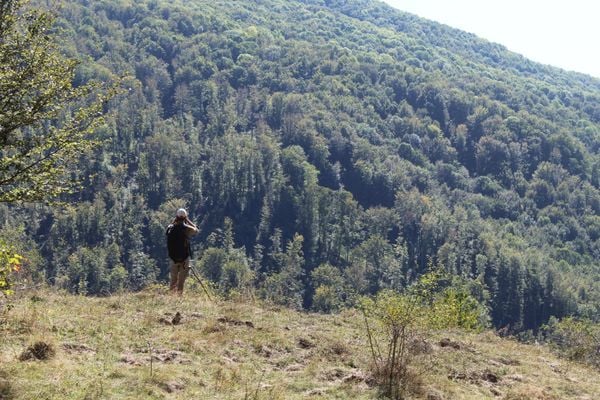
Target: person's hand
{"type": "Point", "coordinates": [188, 222]}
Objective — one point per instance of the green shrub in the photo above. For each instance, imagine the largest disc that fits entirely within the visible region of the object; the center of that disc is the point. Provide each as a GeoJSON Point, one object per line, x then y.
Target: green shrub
{"type": "Point", "coordinates": [326, 299]}
{"type": "Point", "coordinates": [577, 340]}
{"type": "Point", "coordinates": [227, 269]}
{"type": "Point", "coordinates": [235, 276]}
{"type": "Point", "coordinates": [454, 308]}
{"type": "Point", "coordinates": [330, 290]}
{"type": "Point", "coordinates": [117, 279]}
{"type": "Point", "coordinates": [392, 323]}
{"type": "Point", "coordinates": [395, 321]}
{"type": "Point", "coordinates": [212, 262]}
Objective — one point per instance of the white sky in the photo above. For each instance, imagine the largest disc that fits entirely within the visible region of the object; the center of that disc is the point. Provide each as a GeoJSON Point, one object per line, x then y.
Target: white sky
{"type": "Point", "coordinates": [562, 33]}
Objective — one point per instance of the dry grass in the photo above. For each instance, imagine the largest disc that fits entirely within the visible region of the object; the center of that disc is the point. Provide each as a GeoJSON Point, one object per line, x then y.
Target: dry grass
{"type": "Point", "coordinates": [488, 367]}
{"type": "Point", "coordinates": [120, 347]}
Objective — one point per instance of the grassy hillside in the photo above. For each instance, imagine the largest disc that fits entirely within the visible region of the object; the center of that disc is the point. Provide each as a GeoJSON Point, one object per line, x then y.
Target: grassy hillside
{"type": "Point", "coordinates": [248, 350]}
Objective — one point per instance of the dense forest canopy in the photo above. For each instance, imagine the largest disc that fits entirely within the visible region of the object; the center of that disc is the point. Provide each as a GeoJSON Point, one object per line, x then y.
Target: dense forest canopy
{"type": "Point", "coordinates": [327, 149]}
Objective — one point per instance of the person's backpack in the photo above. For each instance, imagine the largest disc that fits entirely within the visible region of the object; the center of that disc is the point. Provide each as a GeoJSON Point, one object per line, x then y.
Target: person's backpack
{"type": "Point", "coordinates": [178, 243]}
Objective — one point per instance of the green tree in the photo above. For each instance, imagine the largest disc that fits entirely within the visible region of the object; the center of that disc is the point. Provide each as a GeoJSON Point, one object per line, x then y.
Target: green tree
{"type": "Point", "coordinates": [330, 290]}
{"type": "Point", "coordinates": [143, 271]}
{"type": "Point", "coordinates": [117, 279]}
{"type": "Point", "coordinates": [45, 122]}
{"type": "Point", "coordinates": [285, 287]}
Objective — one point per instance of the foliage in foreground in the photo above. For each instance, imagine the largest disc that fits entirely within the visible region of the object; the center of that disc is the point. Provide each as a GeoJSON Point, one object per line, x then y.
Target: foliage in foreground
{"type": "Point", "coordinates": [10, 262]}
{"type": "Point", "coordinates": [45, 121]}
{"type": "Point", "coordinates": [398, 325]}
{"type": "Point", "coordinates": [574, 339]}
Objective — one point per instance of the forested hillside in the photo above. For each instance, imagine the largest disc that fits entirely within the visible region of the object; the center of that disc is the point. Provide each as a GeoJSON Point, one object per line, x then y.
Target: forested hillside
{"type": "Point", "coordinates": [327, 149]}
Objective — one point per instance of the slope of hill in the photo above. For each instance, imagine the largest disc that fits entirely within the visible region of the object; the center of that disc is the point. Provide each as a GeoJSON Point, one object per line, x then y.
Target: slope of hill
{"type": "Point", "coordinates": [328, 149]}
{"type": "Point", "coordinates": [245, 350]}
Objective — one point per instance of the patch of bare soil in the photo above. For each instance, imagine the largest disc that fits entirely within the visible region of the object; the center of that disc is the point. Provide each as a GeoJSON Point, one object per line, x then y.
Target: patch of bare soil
{"type": "Point", "coordinates": [130, 359]}
{"type": "Point", "coordinates": [351, 377]}
{"type": "Point", "coordinates": [450, 343]}
{"type": "Point", "coordinates": [167, 320]}
{"type": "Point", "coordinates": [484, 378]}
{"type": "Point", "coordinates": [77, 348]}
{"type": "Point", "coordinates": [420, 346]}
{"type": "Point", "coordinates": [434, 395]}
{"type": "Point", "coordinates": [230, 357]}
{"type": "Point", "coordinates": [318, 392]}
{"type": "Point", "coordinates": [157, 355]}
{"type": "Point", "coordinates": [296, 367]}
{"type": "Point", "coordinates": [236, 322]}
{"type": "Point", "coordinates": [172, 386]}
{"type": "Point", "coordinates": [266, 351]}
{"type": "Point", "coordinates": [333, 374]}
{"type": "Point", "coordinates": [475, 377]}
{"type": "Point", "coordinates": [358, 376]}
{"type": "Point", "coordinates": [38, 351]}
{"type": "Point", "coordinates": [305, 343]}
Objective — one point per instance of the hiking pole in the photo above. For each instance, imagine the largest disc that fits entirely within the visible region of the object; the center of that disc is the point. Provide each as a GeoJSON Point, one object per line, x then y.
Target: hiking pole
{"type": "Point", "coordinates": [200, 282]}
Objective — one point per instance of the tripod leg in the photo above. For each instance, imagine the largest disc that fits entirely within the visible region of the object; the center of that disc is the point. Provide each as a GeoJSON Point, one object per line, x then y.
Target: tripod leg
{"type": "Point", "coordinates": [200, 282]}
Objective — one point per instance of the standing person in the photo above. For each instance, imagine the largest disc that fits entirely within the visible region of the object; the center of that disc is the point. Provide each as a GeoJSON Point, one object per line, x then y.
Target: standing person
{"type": "Point", "coordinates": [179, 233]}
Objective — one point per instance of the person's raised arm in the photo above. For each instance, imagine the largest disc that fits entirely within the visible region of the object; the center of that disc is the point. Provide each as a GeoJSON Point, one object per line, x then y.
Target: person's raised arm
{"type": "Point", "coordinates": [190, 226]}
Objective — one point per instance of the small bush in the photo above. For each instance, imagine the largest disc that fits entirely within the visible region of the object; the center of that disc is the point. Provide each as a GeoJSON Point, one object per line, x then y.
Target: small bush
{"type": "Point", "coordinates": [117, 279]}
{"type": "Point", "coordinates": [283, 288]}
{"type": "Point", "coordinates": [576, 340]}
{"type": "Point", "coordinates": [235, 276]}
{"type": "Point", "coordinates": [457, 309]}
{"type": "Point", "coordinates": [397, 326]}
{"type": "Point", "coordinates": [211, 263]}
{"type": "Point", "coordinates": [326, 299]}
{"type": "Point", "coordinates": [397, 320]}
{"type": "Point", "coordinates": [227, 270]}
{"type": "Point", "coordinates": [330, 292]}
{"type": "Point", "coordinates": [449, 302]}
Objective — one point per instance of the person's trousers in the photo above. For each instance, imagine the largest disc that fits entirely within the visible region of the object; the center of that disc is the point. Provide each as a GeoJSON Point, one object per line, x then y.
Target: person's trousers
{"type": "Point", "coordinates": [179, 271]}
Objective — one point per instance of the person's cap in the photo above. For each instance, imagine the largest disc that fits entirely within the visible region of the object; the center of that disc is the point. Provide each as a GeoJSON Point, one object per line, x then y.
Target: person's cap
{"type": "Point", "coordinates": [181, 213]}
